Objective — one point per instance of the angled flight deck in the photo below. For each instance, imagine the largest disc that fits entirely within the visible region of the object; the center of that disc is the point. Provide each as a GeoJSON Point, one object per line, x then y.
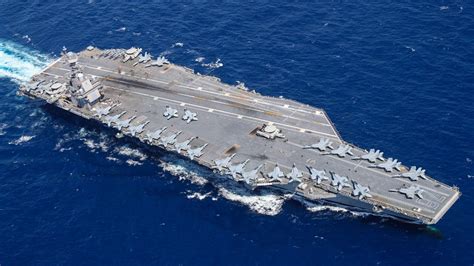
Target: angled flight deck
{"type": "Point", "coordinates": [253, 139]}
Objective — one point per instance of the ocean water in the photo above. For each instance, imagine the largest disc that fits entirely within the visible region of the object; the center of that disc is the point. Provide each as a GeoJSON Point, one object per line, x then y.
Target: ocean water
{"type": "Point", "coordinates": [393, 75]}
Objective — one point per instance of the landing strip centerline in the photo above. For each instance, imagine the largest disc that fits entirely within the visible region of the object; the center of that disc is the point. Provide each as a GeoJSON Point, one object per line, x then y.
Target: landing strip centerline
{"type": "Point", "coordinates": [187, 87]}
{"type": "Point", "coordinates": [207, 91]}
{"type": "Point", "coordinates": [230, 114]}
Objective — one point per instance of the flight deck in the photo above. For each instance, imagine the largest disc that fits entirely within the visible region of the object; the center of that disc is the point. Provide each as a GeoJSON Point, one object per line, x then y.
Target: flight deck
{"type": "Point", "coordinates": [256, 140]}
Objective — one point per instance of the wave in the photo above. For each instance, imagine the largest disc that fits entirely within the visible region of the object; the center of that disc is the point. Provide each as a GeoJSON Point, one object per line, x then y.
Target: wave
{"type": "Point", "coordinates": [3, 126]}
{"type": "Point", "coordinates": [213, 65]}
{"type": "Point", "coordinates": [316, 207]}
{"type": "Point", "coordinates": [20, 140]}
{"type": "Point", "coordinates": [19, 63]}
{"type": "Point", "coordinates": [266, 203]}
{"type": "Point", "coordinates": [269, 204]}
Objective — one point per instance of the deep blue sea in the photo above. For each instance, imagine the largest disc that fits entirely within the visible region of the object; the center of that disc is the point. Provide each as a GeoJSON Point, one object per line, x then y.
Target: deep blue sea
{"type": "Point", "coordinates": [393, 75]}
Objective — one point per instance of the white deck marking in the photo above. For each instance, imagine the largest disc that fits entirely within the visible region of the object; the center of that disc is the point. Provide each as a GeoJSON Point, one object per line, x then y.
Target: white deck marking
{"type": "Point", "coordinates": [53, 75]}
{"type": "Point", "coordinates": [335, 136]}
{"type": "Point", "coordinates": [211, 92]}
{"type": "Point", "coordinates": [290, 127]}
{"type": "Point", "coordinates": [51, 64]}
{"type": "Point", "coordinates": [215, 93]}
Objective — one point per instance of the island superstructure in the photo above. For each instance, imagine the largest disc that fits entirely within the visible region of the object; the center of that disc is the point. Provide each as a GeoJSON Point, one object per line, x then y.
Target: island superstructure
{"type": "Point", "coordinates": [255, 140]}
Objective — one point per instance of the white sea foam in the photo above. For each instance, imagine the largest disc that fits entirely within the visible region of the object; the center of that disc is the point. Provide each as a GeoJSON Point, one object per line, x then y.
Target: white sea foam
{"type": "Point", "coordinates": [133, 162]}
{"type": "Point", "coordinates": [20, 140]}
{"type": "Point", "coordinates": [197, 195]}
{"type": "Point", "coordinates": [20, 63]}
{"type": "Point", "coordinates": [27, 38]}
{"type": "Point", "coordinates": [178, 44]}
{"type": "Point", "coordinates": [93, 140]}
{"type": "Point", "coordinates": [200, 59]}
{"type": "Point", "coordinates": [270, 204]}
{"type": "Point", "coordinates": [3, 126]}
{"type": "Point", "coordinates": [112, 159]}
{"type": "Point", "coordinates": [130, 152]}
{"type": "Point", "coordinates": [314, 207]}
{"type": "Point", "coordinates": [411, 48]}
{"type": "Point", "coordinates": [267, 204]}
{"type": "Point", "coordinates": [183, 173]}
{"type": "Point", "coordinates": [101, 145]}
{"type": "Point", "coordinates": [213, 65]}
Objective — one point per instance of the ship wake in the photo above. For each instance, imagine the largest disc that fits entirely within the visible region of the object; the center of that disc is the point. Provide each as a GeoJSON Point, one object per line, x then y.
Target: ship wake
{"type": "Point", "coordinates": [19, 63]}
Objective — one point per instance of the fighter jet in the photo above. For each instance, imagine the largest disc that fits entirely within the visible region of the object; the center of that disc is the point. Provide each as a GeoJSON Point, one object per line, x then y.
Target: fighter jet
{"type": "Point", "coordinates": [389, 165]}
{"type": "Point", "coordinates": [169, 140]}
{"type": "Point", "coordinates": [294, 174]}
{"type": "Point", "coordinates": [360, 191]}
{"type": "Point", "coordinates": [124, 123]}
{"type": "Point", "coordinates": [170, 113]}
{"type": "Point", "coordinates": [196, 152]}
{"type": "Point", "coordinates": [113, 119]}
{"type": "Point", "coordinates": [235, 169]}
{"type": "Point", "coordinates": [317, 175]}
{"type": "Point", "coordinates": [276, 174]}
{"type": "Point", "coordinates": [34, 85]}
{"type": "Point", "coordinates": [137, 129]}
{"type": "Point", "coordinates": [251, 176]}
{"type": "Point", "coordinates": [117, 54]}
{"type": "Point", "coordinates": [189, 116]}
{"type": "Point", "coordinates": [372, 156]}
{"type": "Point", "coordinates": [410, 192]}
{"type": "Point", "coordinates": [339, 181]}
{"type": "Point", "coordinates": [43, 87]}
{"type": "Point", "coordinates": [221, 164]}
{"type": "Point", "coordinates": [342, 151]}
{"type": "Point", "coordinates": [144, 58]}
{"type": "Point", "coordinates": [99, 112]}
{"type": "Point", "coordinates": [150, 136]}
{"type": "Point", "coordinates": [322, 145]}
{"type": "Point", "coordinates": [183, 146]}
{"type": "Point", "coordinates": [414, 173]}
{"type": "Point", "coordinates": [159, 62]}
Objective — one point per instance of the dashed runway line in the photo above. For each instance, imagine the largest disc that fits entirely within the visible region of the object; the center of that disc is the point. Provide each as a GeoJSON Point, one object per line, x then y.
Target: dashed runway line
{"type": "Point", "coordinates": [219, 102]}
{"type": "Point", "coordinates": [215, 93]}
{"type": "Point", "coordinates": [229, 114]}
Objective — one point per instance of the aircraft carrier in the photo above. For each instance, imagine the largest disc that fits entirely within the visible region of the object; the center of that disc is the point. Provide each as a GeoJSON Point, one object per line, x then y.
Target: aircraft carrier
{"type": "Point", "coordinates": [255, 140]}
